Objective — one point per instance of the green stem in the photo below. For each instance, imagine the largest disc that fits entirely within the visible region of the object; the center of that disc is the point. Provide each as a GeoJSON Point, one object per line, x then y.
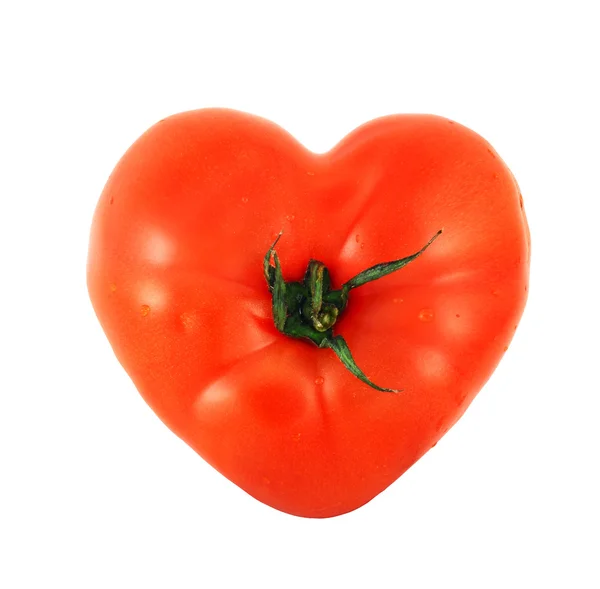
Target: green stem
{"type": "Point", "coordinates": [309, 309]}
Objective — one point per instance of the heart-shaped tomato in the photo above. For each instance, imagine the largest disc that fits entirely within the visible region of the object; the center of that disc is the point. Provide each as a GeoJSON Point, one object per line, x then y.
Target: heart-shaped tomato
{"type": "Point", "coordinates": [176, 276]}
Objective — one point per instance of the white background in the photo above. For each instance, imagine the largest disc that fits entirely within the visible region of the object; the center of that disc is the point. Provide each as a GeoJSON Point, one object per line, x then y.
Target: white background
{"type": "Point", "coordinates": [96, 492]}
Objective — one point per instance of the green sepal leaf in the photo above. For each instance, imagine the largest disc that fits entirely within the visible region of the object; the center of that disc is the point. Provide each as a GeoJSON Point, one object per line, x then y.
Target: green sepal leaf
{"type": "Point", "coordinates": [340, 347]}
{"type": "Point", "coordinates": [316, 287]}
{"type": "Point", "coordinates": [279, 303]}
{"type": "Point", "coordinates": [268, 268]}
{"type": "Point", "coordinates": [380, 270]}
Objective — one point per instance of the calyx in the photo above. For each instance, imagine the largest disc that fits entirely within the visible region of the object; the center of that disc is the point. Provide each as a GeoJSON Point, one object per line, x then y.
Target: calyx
{"type": "Point", "coordinates": [310, 309]}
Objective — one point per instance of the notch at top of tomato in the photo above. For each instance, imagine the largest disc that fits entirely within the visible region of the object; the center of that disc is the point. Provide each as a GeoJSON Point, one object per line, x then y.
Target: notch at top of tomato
{"type": "Point", "coordinates": [275, 362]}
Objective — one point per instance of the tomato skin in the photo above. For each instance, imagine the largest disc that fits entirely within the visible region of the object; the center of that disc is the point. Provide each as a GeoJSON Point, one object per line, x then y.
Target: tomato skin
{"type": "Point", "coordinates": [175, 277]}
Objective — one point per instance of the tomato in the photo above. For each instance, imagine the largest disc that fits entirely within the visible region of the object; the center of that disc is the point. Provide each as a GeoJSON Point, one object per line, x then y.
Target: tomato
{"type": "Point", "coordinates": [179, 247]}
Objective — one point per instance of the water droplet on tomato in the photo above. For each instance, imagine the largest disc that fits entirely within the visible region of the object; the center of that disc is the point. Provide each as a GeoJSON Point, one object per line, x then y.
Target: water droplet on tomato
{"type": "Point", "coordinates": [189, 320]}
{"type": "Point", "coordinates": [495, 293]}
{"type": "Point", "coordinates": [319, 380]}
{"type": "Point", "coordinates": [362, 246]}
{"type": "Point", "coordinates": [244, 199]}
{"type": "Point", "coordinates": [113, 287]}
{"type": "Point", "coordinates": [290, 217]}
{"type": "Point", "coordinates": [144, 310]}
{"type": "Point", "coordinates": [397, 300]}
{"type": "Point", "coordinates": [426, 315]}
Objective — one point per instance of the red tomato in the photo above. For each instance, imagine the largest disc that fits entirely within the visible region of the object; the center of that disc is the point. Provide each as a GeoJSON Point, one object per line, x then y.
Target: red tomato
{"type": "Point", "coordinates": [175, 274]}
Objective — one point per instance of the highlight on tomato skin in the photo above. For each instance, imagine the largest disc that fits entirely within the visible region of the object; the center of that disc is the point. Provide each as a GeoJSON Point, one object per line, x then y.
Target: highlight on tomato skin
{"type": "Point", "coordinates": [223, 337]}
